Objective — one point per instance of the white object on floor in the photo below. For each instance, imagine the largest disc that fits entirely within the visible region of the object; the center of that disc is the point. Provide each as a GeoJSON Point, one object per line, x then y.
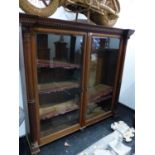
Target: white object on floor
{"type": "Point", "coordinates": [124, 130]}
{"type": "Point", "coordinates": [103, 144]}
{"type": "Point", "coordinates": [112, 143]}
{"type": "Point", "coordinates": [119, 148]}
{"type": "Point", "coordinates": [103, 152]}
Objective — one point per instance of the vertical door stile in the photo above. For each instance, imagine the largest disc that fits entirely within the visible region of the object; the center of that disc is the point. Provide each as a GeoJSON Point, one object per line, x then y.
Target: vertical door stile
{"type": "Point", "coordinates": [83, 82]}
{"type": "Point", "coordinates": [31, 90]}
{"type": "Point", "coordinates": [86, 76]}
{"type": "Point", "coordinates": [119, 72]}
{"type": "Point", "coordinates": [34, 68]}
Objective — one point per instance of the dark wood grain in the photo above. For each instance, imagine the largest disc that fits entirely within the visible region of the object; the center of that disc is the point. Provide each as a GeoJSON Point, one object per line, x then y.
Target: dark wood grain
{"type": "Point", "coordinates": [31, 25]}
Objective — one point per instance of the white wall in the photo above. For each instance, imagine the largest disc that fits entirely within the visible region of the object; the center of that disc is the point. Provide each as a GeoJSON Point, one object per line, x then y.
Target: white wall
{"type": "Point", "coordinates": [126, 20]}
{"type": "Point", "coordinates": [22, 129]}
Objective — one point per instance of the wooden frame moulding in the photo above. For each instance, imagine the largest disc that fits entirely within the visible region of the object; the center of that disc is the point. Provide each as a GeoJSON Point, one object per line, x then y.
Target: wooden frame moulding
{"type": "Point", "coordinates": [33, 24]}
{"type": "Point", "coordinates": [29, 60]}
{"type": "Point", "coordinates": [98, 118]}
{"type": "Point", "coordinates": [106, 114]}
{"type": "Point", "coordinates": [58, 134]}
{"type": "Point", "coordinates": [119, 70]}
{"type": "Point", "coordinates": [75, 127]}
{"type": "Point", "coordinates": [85, 79]}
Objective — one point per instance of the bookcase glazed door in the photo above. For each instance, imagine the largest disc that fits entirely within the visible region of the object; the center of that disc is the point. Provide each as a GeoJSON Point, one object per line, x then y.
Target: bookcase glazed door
{"type": "Point", "coordinates": [101, 75]}
{"type": "Point", "coordinates": [59, 76]}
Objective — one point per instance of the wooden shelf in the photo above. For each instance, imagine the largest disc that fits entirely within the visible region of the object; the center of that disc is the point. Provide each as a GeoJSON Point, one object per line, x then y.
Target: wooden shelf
{"type": "Point", "coordinates": [99, 93]}
{"type": "Point", "coordinates": [57, 109]}
{"type": "Point", "coordinates": [105, 49]}
{"type": "Point", "coordinates": [97, 111]}
{"type": "Point", "coordinates": [99, 99]}
{"type": "Point", "coordinates": [56, 64]}
{"type": "Point", "coordinates": [48, 130]}
{"type": "Point", "coordinates": [57, 86]}
{"type": "Point", "coordinates": [56, 50]}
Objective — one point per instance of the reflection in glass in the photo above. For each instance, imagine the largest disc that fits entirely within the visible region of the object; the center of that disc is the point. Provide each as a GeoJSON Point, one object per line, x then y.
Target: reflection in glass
{"type": "Point", "coordinates": [102, 70]}
{"type": "Point", "coordinates": [59, 67]}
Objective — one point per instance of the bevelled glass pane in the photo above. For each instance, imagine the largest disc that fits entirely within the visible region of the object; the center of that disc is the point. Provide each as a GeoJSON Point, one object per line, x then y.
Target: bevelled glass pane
{"type": "Point", "coordinates": [59, 66]}
{"type": "Point", "coordinates": [102, 71]}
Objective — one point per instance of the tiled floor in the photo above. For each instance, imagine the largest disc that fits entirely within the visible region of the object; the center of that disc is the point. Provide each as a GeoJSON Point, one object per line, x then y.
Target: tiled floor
{"type": "Point", "coordinates": [82, 139]}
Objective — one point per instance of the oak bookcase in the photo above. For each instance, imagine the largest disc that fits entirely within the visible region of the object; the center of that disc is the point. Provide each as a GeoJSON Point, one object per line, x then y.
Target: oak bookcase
{"type": "Point", "coordinates": [73, 75]}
